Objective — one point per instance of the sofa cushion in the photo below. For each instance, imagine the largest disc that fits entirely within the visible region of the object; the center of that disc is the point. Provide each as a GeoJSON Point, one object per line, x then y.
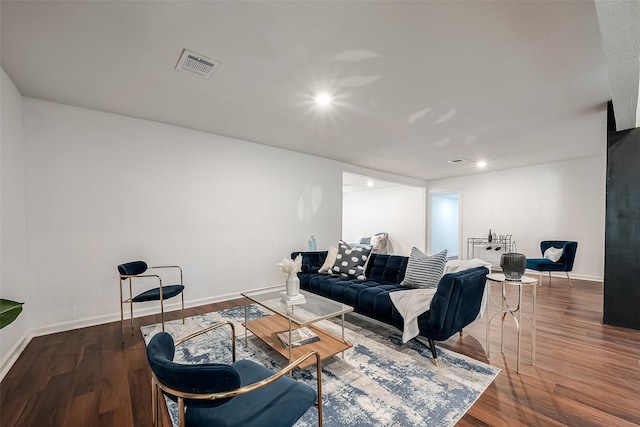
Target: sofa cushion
{"type": "Point", "coordinates": [331, 259]}
{"type": "Point", "coordinates": [350, 262]}
{"type": "Point", "coordinates": [323, 284]}
{"type": "Point", "coordinates": [424, 271]}
{"type": "Point", "coordinates": [375, 299]}
{"type": "Point", "coordinates": [386, 268]}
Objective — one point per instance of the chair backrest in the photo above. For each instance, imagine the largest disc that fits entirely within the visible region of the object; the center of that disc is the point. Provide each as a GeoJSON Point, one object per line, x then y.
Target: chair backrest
{"type": "Point", "coordinates": [198, 379]}
{"type": "Point", "coordinates": [455, 304]}
{"type": "Point", "coordinates": [132, 268]}
{"type": "Point", "coordinates": [568, 247]}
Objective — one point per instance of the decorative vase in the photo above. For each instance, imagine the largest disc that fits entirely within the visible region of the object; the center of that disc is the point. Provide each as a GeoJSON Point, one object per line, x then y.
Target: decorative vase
{"type": "Point", "coordinates": [513, 265]}
{"type": "Point", "coordinates": [293, 285]}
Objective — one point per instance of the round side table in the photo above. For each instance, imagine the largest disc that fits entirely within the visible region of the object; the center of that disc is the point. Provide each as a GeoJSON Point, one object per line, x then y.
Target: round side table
{"type": "Point", "coordinates": [515, 312]}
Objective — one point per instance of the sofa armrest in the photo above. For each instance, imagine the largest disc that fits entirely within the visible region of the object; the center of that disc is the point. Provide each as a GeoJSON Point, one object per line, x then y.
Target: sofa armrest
{"type": "Point", "coordinates": [311, 261]}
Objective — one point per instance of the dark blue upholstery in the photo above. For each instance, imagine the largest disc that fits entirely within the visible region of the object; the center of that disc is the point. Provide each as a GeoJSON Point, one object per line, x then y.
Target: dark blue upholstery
{"type": "Point", "coordinates": [455, 304]}
{"type": "Point", "coordinates": [132, 268]}
{"type": "Point", "coordinates": [565, 263]}
{"type": "Point", "coordinates": [201, 378]}
{"type": "Point", "coordinates": [154, 294]}
{"type": "Point", "coordinates": [281, 403]}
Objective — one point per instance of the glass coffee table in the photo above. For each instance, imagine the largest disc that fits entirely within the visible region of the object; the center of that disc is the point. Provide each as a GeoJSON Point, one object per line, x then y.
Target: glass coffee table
{"type": "Point", "coordinates": [286, 318]}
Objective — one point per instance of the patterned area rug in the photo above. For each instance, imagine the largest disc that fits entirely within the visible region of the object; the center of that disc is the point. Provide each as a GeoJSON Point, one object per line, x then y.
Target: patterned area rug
{"type": "Point", "coordinates": [380, 381]}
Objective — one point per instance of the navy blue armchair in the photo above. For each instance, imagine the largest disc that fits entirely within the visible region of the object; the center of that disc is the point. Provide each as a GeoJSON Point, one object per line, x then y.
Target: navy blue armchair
{"type": "Point", "coordinates": [565, 263]}
{"type": "Point", "coordinates": [136, 270]}
{"type": "Point", "coordinates": [241, 394]}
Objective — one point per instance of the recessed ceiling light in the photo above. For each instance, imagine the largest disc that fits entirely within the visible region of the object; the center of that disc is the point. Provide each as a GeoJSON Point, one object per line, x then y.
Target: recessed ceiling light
{"type": "Point", "coordinates": [323, 99]}
{"type": "Point", "coordinates": [481, 164]}
{"type": "Point", "coordinates": [369, 183]}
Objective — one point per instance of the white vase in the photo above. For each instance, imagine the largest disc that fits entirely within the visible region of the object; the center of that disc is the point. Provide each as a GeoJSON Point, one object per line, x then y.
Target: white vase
{"type": "Point", "coordinates": [293, 285]}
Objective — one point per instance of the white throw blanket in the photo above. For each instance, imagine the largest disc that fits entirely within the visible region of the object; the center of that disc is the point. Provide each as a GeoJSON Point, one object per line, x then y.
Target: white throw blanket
{"type": "Point", "coordinates": [414, 302]}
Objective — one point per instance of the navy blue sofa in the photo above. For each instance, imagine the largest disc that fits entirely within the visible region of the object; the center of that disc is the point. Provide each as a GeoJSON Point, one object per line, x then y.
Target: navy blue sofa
{"type": "Point", "coordinates": [455, 304]}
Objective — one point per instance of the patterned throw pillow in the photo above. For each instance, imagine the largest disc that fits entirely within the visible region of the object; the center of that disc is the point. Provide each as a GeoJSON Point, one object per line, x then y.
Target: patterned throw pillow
{"type": "Point", "coordinates": [350, 262]}
{"type": "Point", "coordinates": [424, 271]}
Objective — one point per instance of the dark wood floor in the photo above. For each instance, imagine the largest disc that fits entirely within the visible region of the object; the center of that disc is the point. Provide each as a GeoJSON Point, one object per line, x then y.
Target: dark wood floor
{"type": "Point", "coordinates": [586, 374]}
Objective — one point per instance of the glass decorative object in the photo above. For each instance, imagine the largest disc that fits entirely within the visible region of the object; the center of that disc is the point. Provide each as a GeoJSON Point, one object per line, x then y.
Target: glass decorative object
{"type": "Point", "coordinates": [293, 285]}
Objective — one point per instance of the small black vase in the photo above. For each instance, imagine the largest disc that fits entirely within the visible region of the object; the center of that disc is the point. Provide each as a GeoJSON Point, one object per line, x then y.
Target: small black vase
{"type": "Point", "coordinates": [513, 265]}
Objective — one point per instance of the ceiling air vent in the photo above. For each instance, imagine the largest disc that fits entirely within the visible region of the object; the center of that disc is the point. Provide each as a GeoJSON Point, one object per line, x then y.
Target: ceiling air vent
{"type": "Point", "coordinates": [197, 64]}
{"type": "Point", "coordinates": [456, 161]}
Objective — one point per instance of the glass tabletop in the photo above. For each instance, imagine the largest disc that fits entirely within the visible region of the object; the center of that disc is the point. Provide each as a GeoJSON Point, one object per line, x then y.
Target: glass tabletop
{"type": "Point", "coordinates": [499, 277]}
{"type": "Point", "coordinates": [315, 308]}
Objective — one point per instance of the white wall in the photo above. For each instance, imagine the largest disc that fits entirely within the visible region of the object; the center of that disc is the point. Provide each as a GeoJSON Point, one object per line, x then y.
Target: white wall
{"type": "Point", "coordinates": [563, 200]}
{"type": "Point", "coordinates": [399, 211]}
{"type": "Point", "coordinates": [13, 249]}
{"type": "Point", "coordinates": [103, 189]}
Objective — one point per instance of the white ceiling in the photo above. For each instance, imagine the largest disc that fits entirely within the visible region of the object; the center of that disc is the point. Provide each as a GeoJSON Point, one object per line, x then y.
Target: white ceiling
{"type": "Point", "coordinates": [416, 83]}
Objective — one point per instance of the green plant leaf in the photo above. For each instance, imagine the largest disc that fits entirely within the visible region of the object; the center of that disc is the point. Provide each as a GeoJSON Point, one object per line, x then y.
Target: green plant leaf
{"type": "Point", "coordinates": [9, 310]}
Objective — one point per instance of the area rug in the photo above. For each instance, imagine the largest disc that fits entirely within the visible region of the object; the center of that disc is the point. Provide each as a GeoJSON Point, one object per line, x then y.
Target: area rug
{"type": "Point", "coordinates": [379, 382]}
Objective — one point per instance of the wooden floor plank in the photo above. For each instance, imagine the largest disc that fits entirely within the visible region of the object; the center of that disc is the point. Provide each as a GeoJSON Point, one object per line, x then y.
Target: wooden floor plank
{"type": "Point", "coordinates": [586, 373]}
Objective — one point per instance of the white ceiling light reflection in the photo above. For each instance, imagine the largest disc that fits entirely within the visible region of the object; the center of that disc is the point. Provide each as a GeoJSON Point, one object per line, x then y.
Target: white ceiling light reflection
{"type": "Point", "coordinates": [418, 115]}
{"type": "Point", "coordinates": [446, 116]}
{"type": "Point", "coordinates": [323, 99]}
{"type": "Point", "coordinates": [355, 55]}
{"type": "Point", "coordinates": [357, 81]}
{"type": "Point", "coordinates": [481, 164]}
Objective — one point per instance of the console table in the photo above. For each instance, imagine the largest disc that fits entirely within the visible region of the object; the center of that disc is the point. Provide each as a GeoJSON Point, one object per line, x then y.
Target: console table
{"type": "Point", "coordinates": [515, 312]}
{"type": "Point", "coordinates": [489, 250]}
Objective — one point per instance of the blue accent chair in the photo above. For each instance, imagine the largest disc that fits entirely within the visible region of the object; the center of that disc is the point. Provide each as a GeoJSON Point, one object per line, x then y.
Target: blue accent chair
{"type": "Point", "coordinates": [565, 263]}
{"type": "Point", "coordinates": [136, 270]}
{"type": "Point", "coordinates": [241, 394]}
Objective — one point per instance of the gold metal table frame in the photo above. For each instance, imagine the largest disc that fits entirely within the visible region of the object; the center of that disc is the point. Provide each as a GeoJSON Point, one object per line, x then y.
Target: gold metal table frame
{"type": "Point", "coordinates": [288, 317]}
{"type": "Point", "coordinates": [515, 312]}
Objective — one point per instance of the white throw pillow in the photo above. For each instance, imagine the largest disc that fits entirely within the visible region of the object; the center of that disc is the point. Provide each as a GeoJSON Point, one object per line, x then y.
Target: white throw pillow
{"type": "Point", "coordinates": [423, 271]}
{"type": "Point", "coordinates": [553, 254]}
{"type": "Point", "coordinates": [331, 259]}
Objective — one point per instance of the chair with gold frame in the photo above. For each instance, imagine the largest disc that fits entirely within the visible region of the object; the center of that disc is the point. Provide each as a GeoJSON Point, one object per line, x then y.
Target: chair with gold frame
{"type": "Point", "coordinates": [136, 270]}
{"type": "Point", "coordinates": [241, 394]}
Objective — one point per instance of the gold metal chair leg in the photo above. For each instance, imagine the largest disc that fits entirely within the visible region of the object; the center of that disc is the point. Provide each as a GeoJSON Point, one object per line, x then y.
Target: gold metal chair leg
{"type": "Point", "coordinates": [549, 278]}
{"type": "Point", "coordinates": [540, 278]}
{"type": "Point", "coordinates": [154, 403]}
{"type": "Point", "coordinates": [122, 320]}
{"type": "Point", "coordinates": [131, 319]}
{"type": "Point", "coordinates": [460, 333]}
{"type": "Point", "coordinates": [162, 313]}
{"type": "Point", "coordinates": [570, 283]}
{"type": "Point", "coordinates": [182, 296]}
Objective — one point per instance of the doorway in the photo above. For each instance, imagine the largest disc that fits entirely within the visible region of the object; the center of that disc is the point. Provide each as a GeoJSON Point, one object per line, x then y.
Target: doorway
{"type": "Point", "coordinates": [445, 223]}
{"type": "Point", "coordinates": [371, 206]}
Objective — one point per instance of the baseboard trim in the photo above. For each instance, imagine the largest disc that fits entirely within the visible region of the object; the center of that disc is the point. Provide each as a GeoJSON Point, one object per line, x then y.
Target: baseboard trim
{"type": "Point", "coordinates": [14, 353]}
{"type": "Point", "coordinates": [562, 275]}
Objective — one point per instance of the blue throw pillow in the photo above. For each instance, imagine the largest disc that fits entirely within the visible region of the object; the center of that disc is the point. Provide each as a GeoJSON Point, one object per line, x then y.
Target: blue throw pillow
{"type": "Point", "coordinates": [424, 271]}
{"type": "Point", "coordinates": [350, 262]}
